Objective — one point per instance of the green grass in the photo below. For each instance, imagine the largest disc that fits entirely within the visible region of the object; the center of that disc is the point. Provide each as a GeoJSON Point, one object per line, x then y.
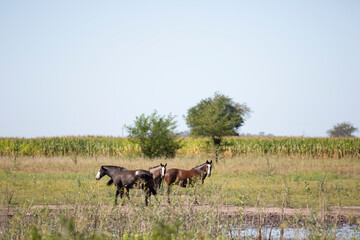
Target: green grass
{"type": "Point", "coordinates": [40, 188]}
{"type": "Point", "coordinates": [251, 181]}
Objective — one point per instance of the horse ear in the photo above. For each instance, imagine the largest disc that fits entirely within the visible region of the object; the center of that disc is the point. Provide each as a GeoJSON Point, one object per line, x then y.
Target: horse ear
{"type": "Point", "coordinates": [210, 162]}
{"type": "Point", "coordinates": [165, 165]}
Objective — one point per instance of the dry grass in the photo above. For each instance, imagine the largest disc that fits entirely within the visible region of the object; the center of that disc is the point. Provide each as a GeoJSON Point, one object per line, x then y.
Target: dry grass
{"type": "Point", "coordinates": [238, 166]}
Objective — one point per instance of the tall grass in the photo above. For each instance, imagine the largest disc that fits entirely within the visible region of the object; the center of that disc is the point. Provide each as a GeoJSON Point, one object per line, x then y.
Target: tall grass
{"type": "Point", "coordinates": [99, 221]}
{"type": "Point", "coordinates": [232, 147]}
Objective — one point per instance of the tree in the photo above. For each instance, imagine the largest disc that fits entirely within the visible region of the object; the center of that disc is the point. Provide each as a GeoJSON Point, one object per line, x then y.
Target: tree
{"type": "Point", "coordinates": [155, 135]}
{"type": "Point", "coordinates": [215, 118]}
{"type": "Point", "coordinates": [344, 129]}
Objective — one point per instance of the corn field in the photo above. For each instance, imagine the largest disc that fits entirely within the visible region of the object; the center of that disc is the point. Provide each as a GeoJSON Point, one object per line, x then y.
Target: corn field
{"type": "Point", "coordinates": [231, 147]}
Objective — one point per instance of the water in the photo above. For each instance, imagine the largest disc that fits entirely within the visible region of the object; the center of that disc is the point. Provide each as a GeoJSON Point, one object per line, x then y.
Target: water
{"type": "Point", "coordinates": [344, 232]}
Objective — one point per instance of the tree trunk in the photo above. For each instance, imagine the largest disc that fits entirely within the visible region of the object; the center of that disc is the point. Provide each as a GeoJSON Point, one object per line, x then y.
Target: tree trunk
{"type": "Point", "coordinates": [217, 142]}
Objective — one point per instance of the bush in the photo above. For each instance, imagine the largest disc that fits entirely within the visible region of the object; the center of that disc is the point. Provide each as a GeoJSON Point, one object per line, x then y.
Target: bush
{"type": "Point", "coordinates": [155, 135]}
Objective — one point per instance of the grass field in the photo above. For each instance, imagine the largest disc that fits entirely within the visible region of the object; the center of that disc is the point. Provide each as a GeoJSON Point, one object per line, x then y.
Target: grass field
{"type": "Point", "coordinates": [252, 180]}
{"type": "Point", "coordinates": [255, 179]}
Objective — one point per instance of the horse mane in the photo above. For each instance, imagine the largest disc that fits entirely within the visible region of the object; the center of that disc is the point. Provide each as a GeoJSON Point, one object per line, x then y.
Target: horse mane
{"type": "Point", "coordinates": [111, 166]}
{"type": "Point", "coordinates": [200, 165]}
{"type": "Point", "coordinates": [154, 167]}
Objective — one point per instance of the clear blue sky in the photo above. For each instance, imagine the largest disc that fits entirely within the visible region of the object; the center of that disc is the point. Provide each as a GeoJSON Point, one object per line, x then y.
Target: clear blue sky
{"type": "Point", "coordinates": [89, 67]}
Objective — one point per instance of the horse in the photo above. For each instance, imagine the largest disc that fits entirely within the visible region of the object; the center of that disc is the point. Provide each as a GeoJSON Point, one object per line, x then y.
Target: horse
{"type": "Point", "coordinates": [158, 173]}
{"type": "Point", "coordinates": [126, 179]}
{"type": "Point", "coordinates": [185, 178]}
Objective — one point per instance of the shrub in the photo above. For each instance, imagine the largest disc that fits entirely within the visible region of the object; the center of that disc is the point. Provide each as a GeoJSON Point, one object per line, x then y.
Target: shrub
{"type": "Point", "coordinates": [155, 135]}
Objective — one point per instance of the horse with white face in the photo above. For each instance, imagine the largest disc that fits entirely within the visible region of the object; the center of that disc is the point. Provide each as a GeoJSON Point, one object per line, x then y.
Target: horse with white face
{"type": "Point", "coordinates": [158, 173]}
{"type": "Point", "coordinates": [185, 178]}
{"type": "Point", "coordinates": [125, 179]}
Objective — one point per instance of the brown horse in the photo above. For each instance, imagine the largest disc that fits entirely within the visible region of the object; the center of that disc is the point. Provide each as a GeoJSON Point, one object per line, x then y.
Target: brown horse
{"type": "Point", "coordinates": [185, 178]}
{"type": "Point", "coordinates": [158, 173]}
{"type": "Point", "coordinates": [126, 179]}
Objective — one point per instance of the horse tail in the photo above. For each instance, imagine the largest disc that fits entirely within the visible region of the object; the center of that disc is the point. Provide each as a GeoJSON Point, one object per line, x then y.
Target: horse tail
{"type": "Point", "coordinates": [152, 186]}
{"type": "Point", "coordinates": [149, 182]}
{"type": "Point", "coordinates": [153, 191]}
{"type": "Point", "coordinates": [110, 182]}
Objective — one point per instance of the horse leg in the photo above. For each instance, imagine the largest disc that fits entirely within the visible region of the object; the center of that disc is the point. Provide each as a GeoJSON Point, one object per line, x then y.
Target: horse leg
{"type": "Point", "coordinates": [122, 196]}
{"type": "Point", "coordinates": [194, 184]}
{"type": "Point", "coordinates": [116, 195]}
{"type": "Point", "coordinates": [127, 193]}
{"type": "Point", "coordinates": [151, 190]}
{"type": "Point", "coordinates": [203, 179]}
{"type": "Point", "coordinates": [195, 200]}
{"type": "Point", "coordinates": [168, 194]}
{"type": "Point", "coordinates": [121, 193]}
{"type": "Point", "coordinates": [147, 196]}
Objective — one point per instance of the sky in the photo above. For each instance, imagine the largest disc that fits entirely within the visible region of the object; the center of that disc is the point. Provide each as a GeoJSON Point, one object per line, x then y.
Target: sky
{"type": "Point", "coordinates": [74, 68]}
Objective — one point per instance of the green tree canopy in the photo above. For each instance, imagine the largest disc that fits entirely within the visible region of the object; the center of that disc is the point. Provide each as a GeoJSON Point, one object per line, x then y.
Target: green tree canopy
{"type": "Point", "coordinates": [155, 135]}
{"type": "Point", "coordinates": [343, 129]}
{"type": "Point", "coordinates": [216, 117]}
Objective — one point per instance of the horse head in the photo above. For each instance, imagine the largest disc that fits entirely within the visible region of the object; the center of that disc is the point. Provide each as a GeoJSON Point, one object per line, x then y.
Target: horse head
{"type": "Point", "coordinates": [163, 169]}
{"type": "Point", "coordinates": [205, 168]}
{"type": "Point", "coordinates": [102, 172]}
{"type": "Point", "coordinates": [209, 165]}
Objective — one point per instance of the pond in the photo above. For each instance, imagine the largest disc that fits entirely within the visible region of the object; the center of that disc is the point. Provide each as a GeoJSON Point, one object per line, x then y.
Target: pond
{"type": "Point", "coordinates": [343, 232]}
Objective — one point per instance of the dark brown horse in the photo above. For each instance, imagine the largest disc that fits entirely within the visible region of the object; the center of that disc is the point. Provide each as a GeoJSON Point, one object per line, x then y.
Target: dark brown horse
{"type": "Point", "coordinates": [158, 173]}
{"type": "Point", "coordinates": [126, 179]}
{"type": "Point", "coordinates": [185, 178]}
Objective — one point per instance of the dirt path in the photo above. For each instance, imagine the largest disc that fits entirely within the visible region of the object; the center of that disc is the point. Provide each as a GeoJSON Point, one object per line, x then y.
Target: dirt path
{"type": "Point", "coordinates": [258, 216]}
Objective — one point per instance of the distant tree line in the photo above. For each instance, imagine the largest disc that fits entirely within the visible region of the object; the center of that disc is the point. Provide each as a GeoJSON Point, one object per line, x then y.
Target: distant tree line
{"type": "Point", "coordinates": [213, 118]}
